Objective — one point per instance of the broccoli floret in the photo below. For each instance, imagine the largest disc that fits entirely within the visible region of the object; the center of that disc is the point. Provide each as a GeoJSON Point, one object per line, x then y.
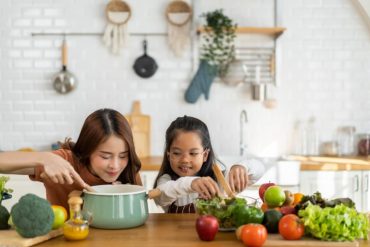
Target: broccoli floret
{"type": "Point", "coordinates": [4, 217]}
{"type": "Point", "coordinates": [32, 216]}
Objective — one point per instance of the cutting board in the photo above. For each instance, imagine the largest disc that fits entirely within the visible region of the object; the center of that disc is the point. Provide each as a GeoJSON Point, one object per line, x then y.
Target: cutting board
{"type": "Point", "coordinates": [140, 125]}
{"type": "Point", "coordinates": [10, 238]}
{"type": "Point", "coordinates": [277, 240]}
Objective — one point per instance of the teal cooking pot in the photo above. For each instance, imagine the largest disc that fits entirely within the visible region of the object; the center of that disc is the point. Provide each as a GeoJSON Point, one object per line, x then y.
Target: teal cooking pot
{"type": "Point", "coordinates": [117, 206]}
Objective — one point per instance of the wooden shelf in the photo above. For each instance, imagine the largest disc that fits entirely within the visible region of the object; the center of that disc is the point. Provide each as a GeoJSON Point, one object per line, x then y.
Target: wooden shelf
{"type": "Point", "coordinates": [276, 31]}
{"type": "Point", "coordinates": [327, 159]}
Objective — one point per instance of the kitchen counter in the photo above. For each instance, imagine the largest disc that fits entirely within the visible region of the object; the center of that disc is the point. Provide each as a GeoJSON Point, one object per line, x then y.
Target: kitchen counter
{"type": "Point", "coordinates": [323, 163]}
{"type": "Point", "coordinates": [151, 163]}
{"type": "Point", "coordinates": [161, 230]}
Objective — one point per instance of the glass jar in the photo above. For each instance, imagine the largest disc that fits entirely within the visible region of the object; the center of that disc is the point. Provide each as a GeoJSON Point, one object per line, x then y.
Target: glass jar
{"type": "Point", "coordinates": [363, 144]}
{"type": "Point", "coordinates": [346, 142]}
{"type": "Point", "coordinates": [76, 228]}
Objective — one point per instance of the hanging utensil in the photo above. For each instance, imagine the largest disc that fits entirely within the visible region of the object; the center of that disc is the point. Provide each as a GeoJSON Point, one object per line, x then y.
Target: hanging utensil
{"type": "Point", "coordinates": [145, 66]}
{"type": "Point", "coordinates": [64, 81]}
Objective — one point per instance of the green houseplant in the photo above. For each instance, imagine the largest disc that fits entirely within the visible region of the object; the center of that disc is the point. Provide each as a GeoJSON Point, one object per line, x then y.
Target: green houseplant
{"type": "Point", "coordinates": [217, 51]}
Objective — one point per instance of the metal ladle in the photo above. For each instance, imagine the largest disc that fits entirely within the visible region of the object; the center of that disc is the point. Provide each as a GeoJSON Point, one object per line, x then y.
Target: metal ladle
{"type": "Point", "coordinates": [64, 81]}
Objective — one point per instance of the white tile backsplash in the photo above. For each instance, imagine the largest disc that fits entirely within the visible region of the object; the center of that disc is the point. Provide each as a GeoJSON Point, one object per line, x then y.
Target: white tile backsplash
{"type": "Point", "coordinates": [323, 72]}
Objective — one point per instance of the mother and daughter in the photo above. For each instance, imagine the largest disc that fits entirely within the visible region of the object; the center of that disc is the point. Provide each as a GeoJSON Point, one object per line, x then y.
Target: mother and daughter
{"type": "Point", "coordinates": [104, 153]}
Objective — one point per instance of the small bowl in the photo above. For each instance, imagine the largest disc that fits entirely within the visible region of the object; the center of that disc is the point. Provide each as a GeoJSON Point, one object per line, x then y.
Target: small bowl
{"type": "Point", "coordinates": [222, 209]}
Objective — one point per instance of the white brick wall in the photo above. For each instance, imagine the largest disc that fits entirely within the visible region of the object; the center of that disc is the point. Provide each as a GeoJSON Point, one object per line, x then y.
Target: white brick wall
{"type": "Point", "coordinates": [324, 72]}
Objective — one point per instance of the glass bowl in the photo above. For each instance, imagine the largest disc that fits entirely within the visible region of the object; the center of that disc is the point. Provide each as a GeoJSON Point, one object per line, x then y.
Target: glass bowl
{"type": "Point", "coordinates": [222, 209]}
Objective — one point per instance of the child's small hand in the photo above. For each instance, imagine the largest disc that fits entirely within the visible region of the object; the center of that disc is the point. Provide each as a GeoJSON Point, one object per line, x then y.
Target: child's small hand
{"type": "Point", "coordinates": [206, 187]}
{"type": "Point", "coordinates": [238, 178]}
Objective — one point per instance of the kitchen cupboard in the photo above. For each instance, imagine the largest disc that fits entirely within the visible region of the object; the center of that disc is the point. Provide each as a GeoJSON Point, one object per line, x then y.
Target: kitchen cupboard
{"type": "Point", "coordinates": [334, 184]}
{"type": "Point", "coordinates": [21, 185]}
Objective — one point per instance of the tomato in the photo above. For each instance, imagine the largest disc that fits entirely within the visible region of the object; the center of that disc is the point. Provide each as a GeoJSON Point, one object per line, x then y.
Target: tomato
{"type": "Point", "coordinates": [291, 227]}
{"type": "Point", "coordinates": [253, 235]}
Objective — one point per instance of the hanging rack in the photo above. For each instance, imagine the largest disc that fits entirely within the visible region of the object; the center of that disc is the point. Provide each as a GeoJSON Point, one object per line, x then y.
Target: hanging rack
{"type": "Point", "coordinates": [92, 34]}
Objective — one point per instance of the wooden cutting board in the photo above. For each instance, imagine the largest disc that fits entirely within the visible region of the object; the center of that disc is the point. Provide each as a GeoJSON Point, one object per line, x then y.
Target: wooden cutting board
{"type": "Point", "coordinates": [140, 125]}
{"type": "Point", "coordinates": [10, 238]}
{"type": "Point", "coordinates": [277, 240]}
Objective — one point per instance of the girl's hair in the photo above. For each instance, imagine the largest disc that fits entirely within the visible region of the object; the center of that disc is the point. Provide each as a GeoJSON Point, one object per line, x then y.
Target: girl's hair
{"type": "Point", "coordinates": [187, 124]}
{"type": "Point", "coordinates": [97, 128]}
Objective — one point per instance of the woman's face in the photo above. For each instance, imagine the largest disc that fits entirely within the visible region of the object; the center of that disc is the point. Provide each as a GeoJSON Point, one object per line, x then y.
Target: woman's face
{"type": "Point", "coordinates": [109, 159]}
{"type": "Point", "coordinates": [187, 154]}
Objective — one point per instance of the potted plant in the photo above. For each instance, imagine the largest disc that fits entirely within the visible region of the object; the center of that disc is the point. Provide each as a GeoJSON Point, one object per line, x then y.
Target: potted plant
{"type": "Point", "coordinates": [217, 52]}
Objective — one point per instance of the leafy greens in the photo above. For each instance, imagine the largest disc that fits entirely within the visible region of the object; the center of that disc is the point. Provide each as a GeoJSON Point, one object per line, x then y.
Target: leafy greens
{"type": "Point", "coordinates": [339, 223]}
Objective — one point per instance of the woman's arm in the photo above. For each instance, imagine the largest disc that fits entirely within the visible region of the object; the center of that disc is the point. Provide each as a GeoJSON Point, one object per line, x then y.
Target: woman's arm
{"type": "Point", "coordinates": [55, 167]}
{"type": "Point", "coordinates": [23, 163]}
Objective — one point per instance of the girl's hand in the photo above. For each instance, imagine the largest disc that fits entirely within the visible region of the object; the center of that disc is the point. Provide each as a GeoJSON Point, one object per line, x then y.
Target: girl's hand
{"type": "Point", "coordinates": [206, 187]}
{"type": "Point", "coordinates": [60, 171]}
{"type": "Point", "coordinates": [238, 178]}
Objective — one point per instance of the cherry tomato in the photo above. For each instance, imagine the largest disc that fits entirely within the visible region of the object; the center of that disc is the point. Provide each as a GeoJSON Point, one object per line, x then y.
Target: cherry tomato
{"type": "Point", "coordinates": [253, 235]}
{"type": "Point", "coordinates": [291, 227]}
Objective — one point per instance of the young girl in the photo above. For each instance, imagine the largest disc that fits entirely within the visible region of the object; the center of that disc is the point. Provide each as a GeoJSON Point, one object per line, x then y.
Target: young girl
{"type": "Point", "coordinates": [186, 171]}
{"type": "Point", "coordinates": [104, 153]}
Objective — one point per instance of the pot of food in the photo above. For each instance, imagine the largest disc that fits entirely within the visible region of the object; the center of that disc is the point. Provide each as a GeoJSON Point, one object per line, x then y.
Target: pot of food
{"type": "Point", "coordinates": [117, 206]}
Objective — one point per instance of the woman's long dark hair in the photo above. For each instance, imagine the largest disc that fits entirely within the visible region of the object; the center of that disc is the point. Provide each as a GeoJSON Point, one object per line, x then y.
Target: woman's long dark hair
{"type": "Point", "coordinates": [97, 128]}
{"type": "Point", "coordinates": [187, 124]}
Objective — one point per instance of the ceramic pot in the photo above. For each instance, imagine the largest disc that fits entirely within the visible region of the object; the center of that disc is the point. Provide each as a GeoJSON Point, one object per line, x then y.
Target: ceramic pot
{"type": "Point", "coordinates": [117, 206]}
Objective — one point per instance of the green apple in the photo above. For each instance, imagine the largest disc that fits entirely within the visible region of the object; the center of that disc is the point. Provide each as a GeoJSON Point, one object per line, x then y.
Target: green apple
{"type": "Point", "coordinates": [274, 196]}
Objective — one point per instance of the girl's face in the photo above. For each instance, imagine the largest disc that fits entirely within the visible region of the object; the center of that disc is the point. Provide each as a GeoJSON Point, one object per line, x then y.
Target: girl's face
{"type": "Point", "coordinates": [187, 154]}
{"type": "Point", "coordinates": [109, 159]}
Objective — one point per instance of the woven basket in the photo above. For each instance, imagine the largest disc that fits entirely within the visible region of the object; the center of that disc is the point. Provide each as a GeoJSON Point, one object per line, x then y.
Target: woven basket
{"type": "Point", "coordinates": [117, 6]}
{"type": "Point", "coordinates": [178, 7]}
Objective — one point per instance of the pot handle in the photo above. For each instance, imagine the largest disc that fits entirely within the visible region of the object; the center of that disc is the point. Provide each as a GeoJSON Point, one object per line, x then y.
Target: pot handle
{"type": "Point", "coordinates": [75, 193]}
{"type": "Point", "coordinates": [154, 193]}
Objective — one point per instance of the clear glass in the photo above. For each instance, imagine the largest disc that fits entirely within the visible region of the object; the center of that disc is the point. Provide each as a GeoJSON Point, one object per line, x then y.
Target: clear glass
{"type": "Point", "coordinates": [345, 137]}
{"type": "Point", "coordinates": [312, 137]}
{"type": "Point", "coordinates": [76, 228]}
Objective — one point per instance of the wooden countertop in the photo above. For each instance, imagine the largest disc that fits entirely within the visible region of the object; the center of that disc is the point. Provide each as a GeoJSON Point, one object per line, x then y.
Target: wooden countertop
{"type": "Point", "coordinates": [169, 230]}
{"type": "Point", "coordinates": [151, 163]}
{"type": "Point", "coordinates": [323, 163]}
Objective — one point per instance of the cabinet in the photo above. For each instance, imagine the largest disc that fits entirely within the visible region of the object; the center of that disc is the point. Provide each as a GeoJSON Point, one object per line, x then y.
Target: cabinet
{"type": "Point", "coordinates": [333, 184]}
{"type": "Point", "coordinates": [21, 185]}
{"type": "Point", "coordinates": [148, 178]}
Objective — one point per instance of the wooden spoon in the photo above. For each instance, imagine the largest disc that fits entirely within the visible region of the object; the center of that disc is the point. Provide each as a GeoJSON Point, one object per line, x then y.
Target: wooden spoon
{"type": "Point", "coordinates": [221, 179]}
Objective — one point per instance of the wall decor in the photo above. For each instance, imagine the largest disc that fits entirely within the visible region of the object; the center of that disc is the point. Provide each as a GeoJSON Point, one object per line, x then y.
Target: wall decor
{"type": "Point", "coordinates": [178, 16]}
{"type": "Point", "coordinates": [115, 35]}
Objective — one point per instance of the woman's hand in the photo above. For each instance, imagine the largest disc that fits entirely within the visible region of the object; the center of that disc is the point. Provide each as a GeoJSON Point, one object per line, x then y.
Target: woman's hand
{"type": "Point", "coordinates": [60, 171]}
{"type": "Point", "coordinates": [238, 178]}
{"type": "Point", "coordinates": [206, 187]}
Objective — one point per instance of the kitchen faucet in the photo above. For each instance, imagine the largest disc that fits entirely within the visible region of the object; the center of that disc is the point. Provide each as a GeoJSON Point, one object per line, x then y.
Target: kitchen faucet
{"type": "Point", "coordinates": [243, 121]}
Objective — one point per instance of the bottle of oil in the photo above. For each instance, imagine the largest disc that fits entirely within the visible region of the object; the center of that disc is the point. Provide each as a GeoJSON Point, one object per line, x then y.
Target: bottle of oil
{"type": "Point", "coordinates": [76, 228]}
